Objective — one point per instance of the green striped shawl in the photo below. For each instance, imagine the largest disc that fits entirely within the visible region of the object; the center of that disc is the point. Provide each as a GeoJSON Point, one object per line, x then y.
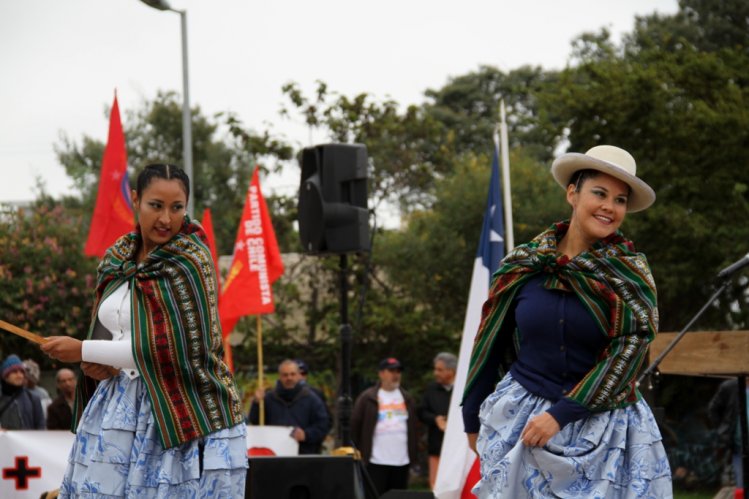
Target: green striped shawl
{"type": "Point", "coordinates": [176, 334]}
{"type": "Point", "coordinates": [614, 283]}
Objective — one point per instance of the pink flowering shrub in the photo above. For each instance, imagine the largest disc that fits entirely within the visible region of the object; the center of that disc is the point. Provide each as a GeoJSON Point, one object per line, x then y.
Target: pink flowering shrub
{"type": "Point", "coordinates": [46, 283]}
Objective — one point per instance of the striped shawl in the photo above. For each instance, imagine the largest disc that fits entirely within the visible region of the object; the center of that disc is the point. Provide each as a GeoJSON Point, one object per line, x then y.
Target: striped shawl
{"type": "Point", "coordinates": [614, 283]}
{"type": "Point", "coordinates": [176, 334]}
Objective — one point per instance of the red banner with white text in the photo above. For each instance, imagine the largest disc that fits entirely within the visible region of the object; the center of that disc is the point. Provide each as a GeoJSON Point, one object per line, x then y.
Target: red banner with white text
{"type": "Point", "coordinates": [256, 263]}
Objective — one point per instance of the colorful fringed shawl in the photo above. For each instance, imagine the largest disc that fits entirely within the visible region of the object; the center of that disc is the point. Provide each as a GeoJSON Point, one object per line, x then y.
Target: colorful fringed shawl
{"type": "Point", "coordinates": [615, 285]}
{"type": "Point", "coordinates": [176, 333]}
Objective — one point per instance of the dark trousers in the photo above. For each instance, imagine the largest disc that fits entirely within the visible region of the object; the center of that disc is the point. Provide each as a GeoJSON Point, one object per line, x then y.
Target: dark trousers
{"type": "Point", "coordinates": [386, 477]}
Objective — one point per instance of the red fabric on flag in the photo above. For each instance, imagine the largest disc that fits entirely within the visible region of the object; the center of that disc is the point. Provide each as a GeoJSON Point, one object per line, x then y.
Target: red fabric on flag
{"type": "Point", "coordinates": [256, 263]}
{"type": "Point", "coordinates": [207, 222]}
{"type": "Point", "coordinates": [473, 477]}
{"type": "Point", "coordinates": [113, 213]}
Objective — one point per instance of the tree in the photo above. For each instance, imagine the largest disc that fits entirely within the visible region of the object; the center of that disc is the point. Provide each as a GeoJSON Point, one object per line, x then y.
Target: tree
{"type": "Point", "coordinates": [468, 106]}
{"type": "Point", "coordinates": [46, 282]}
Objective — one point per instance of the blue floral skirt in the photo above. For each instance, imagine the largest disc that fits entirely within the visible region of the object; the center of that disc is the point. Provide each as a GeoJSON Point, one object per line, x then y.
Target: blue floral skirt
{"type": "Point", "coordinates": [615, 454]}
{"type": "Point", "coordinates": [117, 452]}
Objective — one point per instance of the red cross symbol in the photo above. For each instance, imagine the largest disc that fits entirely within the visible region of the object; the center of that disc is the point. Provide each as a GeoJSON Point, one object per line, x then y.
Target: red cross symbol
{"type": "Point", "coordinates": [21, 473]}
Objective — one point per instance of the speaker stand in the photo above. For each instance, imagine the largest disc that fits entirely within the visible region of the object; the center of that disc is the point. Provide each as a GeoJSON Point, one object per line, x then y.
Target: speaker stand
{"type": "Point", "coordinates": [344, 400]}
{"type": "Point", "coordinates": [360, 469]}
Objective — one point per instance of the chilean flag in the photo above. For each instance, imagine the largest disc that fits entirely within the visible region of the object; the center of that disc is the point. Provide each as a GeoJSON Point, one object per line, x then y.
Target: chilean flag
{"type": "Point", "coordinates": [459, 467]}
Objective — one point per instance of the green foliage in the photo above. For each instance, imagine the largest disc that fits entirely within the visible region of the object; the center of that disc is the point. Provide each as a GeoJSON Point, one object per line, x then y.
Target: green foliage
{"type": "Point", "coordinates": [429, 261]}
{"type": "Point", "coordinates": [468, 106]}
{"type": "Point", "coordinates": [408, 150]}
{"type": "Point", "coordinates": [45, 281]}
{"type": "Point", "coordinates": [537, 200]}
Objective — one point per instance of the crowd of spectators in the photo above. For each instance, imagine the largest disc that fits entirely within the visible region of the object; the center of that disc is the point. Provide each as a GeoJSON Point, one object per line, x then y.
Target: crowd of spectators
{"type": "Point", "coordinates": [26, 405]}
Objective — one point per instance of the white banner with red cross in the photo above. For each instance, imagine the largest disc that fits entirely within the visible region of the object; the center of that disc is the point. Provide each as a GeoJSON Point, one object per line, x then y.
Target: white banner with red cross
{"type": "Point", "coordinates": [33, 462]}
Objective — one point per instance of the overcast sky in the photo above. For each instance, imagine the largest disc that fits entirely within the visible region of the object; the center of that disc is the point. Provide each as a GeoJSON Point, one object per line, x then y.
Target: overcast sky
{"type": "Point", "coordinates": [60, 60]}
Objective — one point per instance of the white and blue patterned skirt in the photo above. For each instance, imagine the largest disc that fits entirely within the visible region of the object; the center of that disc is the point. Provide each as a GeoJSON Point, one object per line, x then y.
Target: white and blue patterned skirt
{"type": "Point", "coordinates": [610, 455]}
{"type": "Point", "coordinates": [117, 452]}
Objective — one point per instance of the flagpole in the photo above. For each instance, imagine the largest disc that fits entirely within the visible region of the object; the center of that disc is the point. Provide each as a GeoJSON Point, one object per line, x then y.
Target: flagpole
{"type": "Point", "coordinates": [260, 383]}
{"type": "Point", "coordinates": [505, 149]}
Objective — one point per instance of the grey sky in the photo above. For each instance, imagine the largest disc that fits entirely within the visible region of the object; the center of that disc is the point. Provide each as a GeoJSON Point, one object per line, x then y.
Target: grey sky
{"type": "Point", "coordinates": [62, 59]}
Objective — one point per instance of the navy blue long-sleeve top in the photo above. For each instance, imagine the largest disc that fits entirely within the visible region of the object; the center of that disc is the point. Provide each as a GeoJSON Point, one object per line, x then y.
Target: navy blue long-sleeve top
{"type": "Point", "coordinates": [559, 342]}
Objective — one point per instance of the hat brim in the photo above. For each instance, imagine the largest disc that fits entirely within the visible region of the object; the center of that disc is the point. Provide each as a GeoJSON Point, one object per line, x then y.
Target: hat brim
{"type": "Point", "coordinates": [392, 366]}
{"type": "Point", "coordinates": [641, 195]}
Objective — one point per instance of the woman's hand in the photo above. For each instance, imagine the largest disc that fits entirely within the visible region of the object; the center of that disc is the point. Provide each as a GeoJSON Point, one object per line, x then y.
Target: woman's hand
{"type": "Point", "coordinates": [539, 430]}
{"type": "Point", "coordinates": [472, 441]}
{"type": "Point", "coordinates": [63, 348]}
{"type": "Point", "coordinates": [99, 372]}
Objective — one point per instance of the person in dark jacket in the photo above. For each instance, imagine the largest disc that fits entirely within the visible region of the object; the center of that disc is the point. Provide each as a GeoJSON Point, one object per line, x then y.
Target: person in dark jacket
{"type": "Point", "coordinates": [292, 403]}
{"type": "Point", "coordinates": [434, 406]}
{"type": "Point", "coordinates": [723, 411]}
{"type": "Point", "coordinates": [383, 428]}
{"type": "Point", "coordinates": [304, 372]}
{"type": "Point", "coordinates": [60, 411]}
{"type": "Point", "coordinates": [20, 409]}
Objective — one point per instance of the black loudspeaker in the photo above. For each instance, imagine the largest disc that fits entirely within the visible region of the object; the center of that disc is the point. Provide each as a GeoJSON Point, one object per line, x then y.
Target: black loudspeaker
{"type": "Point", "coordinates": [406, 494]}
{"type": "Point", "coordinates": [303, 477]}
{"type": "Point", "coordinates": [333, 215]}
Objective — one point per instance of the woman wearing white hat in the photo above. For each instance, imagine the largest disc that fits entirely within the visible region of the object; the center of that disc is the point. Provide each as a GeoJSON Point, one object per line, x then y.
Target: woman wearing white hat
{"type": "Point", "coordinates": [568, 321]}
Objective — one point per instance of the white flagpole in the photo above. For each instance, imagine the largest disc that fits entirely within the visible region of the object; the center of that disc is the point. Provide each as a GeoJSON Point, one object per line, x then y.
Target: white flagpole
{"type": "Point", "coordinates": [505, 150]}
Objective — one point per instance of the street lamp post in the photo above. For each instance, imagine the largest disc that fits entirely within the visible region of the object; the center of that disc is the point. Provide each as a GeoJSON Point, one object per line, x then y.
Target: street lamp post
{"type": "Point", "coordinates": [186, 118]}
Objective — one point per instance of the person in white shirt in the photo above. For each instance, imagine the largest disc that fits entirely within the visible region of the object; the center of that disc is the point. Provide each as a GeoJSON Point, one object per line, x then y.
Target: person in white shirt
{"type": "Point", "coordinates": [383, 428]}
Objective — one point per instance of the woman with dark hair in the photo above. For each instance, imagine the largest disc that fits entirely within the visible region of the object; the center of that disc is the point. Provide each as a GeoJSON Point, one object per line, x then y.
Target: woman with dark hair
{"type": "Point", "coordinates": [568, 322]}
{"type": "Point", "coordinates": [158, 413]}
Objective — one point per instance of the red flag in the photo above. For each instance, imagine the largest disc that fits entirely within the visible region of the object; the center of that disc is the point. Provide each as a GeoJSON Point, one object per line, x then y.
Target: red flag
{"type": "Point", "coordinates": [113, 214]}
{"type": "Point", "coordinates": [256, 263]}
{"type": "Point", "coordinates": [208, 227]}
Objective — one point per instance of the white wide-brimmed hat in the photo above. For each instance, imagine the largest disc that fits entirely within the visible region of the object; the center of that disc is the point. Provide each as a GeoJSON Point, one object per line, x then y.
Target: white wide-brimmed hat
{"type": "Point", "coordinates": [612, 161]}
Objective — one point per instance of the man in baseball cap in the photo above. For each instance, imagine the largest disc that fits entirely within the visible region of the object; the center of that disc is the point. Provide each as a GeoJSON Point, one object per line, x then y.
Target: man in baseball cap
{"type": "Point", "coordinates": [383, 428]}
{"type": "Point", "coordinates": [390, 363]}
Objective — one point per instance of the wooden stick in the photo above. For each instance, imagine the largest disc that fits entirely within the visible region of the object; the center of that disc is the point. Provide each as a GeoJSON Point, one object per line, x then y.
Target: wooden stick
{"type": "Point", "coordinates": [23, 333]}
{"type": "Point", "coordinates": [260, 383]}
